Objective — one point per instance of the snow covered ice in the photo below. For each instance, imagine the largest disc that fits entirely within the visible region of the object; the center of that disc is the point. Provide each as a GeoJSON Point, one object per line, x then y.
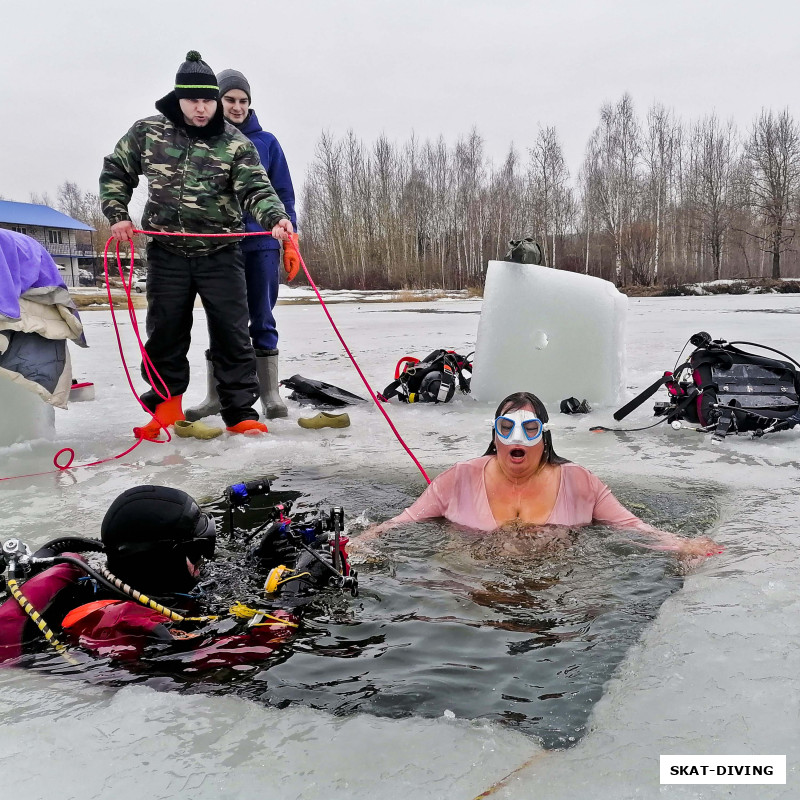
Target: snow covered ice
{"type": "Point", "coordinates": [716, 672]}
{"type": "Point", "coordinates": [556, 334]}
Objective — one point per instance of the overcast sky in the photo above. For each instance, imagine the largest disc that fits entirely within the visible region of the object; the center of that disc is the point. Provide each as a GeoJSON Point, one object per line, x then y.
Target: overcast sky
{"type": "Point", "coordinates": [77, 74]}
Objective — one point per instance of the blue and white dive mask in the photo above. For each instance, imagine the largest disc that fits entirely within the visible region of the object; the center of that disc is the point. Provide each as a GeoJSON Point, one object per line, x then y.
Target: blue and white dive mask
{"type": "Point", "coordinates": [521, 427]}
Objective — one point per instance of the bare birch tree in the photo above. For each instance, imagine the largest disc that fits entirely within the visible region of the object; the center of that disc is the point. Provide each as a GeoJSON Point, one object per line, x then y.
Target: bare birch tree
{"type": "Point", "coordinates": [549, 178]}
{"type": "Point", "coordinates": [716, 145]}
{"type": "Point", "coordinates": [611, 168]}
{"type": "Point", "coordinates": [661, 145]}
{"type": "Point", "coordinates": [773, 151]}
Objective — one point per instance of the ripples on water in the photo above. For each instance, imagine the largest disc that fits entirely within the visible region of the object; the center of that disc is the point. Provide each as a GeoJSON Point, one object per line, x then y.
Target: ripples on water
{"type": "Point", "coordinates": [523, 626]}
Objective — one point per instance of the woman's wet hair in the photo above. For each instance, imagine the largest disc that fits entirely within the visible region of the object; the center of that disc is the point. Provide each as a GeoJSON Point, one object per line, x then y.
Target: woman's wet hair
{"type": "Point", "coordinates": [519, 400]}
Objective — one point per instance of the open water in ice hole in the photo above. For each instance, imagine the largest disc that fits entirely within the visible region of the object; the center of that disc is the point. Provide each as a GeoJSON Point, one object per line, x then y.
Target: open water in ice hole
{"type": "Point", "coordinates": [495, 626]}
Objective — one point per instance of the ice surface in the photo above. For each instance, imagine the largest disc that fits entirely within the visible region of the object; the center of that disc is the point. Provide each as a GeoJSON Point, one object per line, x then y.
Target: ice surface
{"type": "Point", "coordinates": [227, 749]}
{"type": "Point", "coordinates": [554, 333]}
{"type": "Point", "coordinates": [717, 672]}
{"type": "Point", "coordinates": [25, 416]}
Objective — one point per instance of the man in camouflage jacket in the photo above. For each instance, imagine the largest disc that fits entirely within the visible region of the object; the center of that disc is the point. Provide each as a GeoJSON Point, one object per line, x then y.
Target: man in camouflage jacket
{"type": "Point", "coordinates": [201, 172]}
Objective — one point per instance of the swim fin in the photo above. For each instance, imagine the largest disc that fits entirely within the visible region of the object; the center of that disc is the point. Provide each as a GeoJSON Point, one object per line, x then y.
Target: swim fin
{"type": "Point", "coordinates": [319, 393]}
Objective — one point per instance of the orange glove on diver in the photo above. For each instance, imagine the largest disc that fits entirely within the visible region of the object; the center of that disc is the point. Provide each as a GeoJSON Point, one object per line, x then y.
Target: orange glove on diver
{"type": "Point", "coordinates": [291, 256]}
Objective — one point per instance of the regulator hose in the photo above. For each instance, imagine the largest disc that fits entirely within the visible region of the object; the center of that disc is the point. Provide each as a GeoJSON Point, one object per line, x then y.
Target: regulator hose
{"type": "Point", "coordinates": [237, 610]}
{"type": "Point", "coordinates": [128, 591]}
{"type": "Point", "coordinates": [74, 544]}
{"type": "Point", "coordinates": [93, 573]}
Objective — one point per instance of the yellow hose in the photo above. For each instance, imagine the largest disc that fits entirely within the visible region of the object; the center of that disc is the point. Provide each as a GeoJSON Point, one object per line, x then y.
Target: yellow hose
{"type": "Point", "coordinates": [48, 634]}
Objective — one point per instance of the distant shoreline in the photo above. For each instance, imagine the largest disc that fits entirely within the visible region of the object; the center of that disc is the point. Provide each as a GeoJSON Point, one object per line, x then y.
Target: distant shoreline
{"type": "Point", "coordinates": [97, 300]}
{"type": "Point", "coordinates": [724, 286]}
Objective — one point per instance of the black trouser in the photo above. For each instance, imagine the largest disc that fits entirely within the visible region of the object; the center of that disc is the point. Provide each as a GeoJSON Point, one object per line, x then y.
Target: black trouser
{"type": "Point", "coordinates": [173, 282]}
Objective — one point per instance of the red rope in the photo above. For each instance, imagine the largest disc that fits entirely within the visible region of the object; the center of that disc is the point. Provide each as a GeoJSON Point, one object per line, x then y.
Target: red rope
{"type": "Point", "coordinates": [358, 369]}
{"type": "Point", "coordinates": [148, 364]}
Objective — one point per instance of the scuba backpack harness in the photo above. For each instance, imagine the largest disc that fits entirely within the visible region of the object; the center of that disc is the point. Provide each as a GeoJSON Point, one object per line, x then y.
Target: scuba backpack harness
{"type": "Point", "coordinates": [723, 389]}
{"type": "Point", "coordinates": [430, 380]}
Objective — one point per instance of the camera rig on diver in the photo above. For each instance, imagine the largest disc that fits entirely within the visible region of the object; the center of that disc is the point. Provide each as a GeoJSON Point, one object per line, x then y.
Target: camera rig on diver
{"type": "Point", "coordinates": [301, 554]}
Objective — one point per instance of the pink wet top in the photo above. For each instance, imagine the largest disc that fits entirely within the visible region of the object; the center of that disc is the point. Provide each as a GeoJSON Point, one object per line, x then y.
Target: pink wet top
{"type": "Point", "coordinates": [459, 495]}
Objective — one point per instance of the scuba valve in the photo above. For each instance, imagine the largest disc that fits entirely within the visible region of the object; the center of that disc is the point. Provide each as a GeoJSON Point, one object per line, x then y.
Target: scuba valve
{"type": "Point", "coordinates": [16, 558]}
{"type": "Point", "coordinates": [17, 562]}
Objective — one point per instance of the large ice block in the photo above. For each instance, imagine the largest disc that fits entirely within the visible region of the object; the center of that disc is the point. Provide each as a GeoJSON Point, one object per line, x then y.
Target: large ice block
{"type": "Point", "coordinates": [554, 333]}
{"type": "Point", "coordinates": [25, 416]}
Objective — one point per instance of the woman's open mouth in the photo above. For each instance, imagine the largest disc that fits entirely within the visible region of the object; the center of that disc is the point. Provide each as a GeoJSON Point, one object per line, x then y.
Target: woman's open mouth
{"type": "Point", "coordinates": [517, 454]}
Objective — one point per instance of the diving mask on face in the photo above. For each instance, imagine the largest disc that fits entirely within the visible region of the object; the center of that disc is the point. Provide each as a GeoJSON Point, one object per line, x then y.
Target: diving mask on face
{"type": "Point", "coordinates": [520, 427]}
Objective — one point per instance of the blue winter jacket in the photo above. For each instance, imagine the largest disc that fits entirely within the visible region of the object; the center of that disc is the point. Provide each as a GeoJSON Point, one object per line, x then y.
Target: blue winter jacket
{"type": "Point", "coordinates": [274, 162]}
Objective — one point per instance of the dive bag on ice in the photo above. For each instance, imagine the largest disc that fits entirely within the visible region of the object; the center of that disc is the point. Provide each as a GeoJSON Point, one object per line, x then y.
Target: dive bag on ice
{"type": "Point", "coordinates": [525, 251]}
{"type": "Point", "coordinates": [431, 380]}
{"type": "Point", "coordinates": [724, 389]}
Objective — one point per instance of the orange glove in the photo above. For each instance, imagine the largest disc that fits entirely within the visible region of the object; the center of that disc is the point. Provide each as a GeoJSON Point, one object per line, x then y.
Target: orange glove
{"type": "Point", "coordinates": [291, 256]}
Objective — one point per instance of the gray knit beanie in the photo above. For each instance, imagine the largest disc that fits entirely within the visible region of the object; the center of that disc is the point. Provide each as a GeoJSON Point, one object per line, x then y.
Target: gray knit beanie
{"type": "Point", "coordinates": [233, 79]}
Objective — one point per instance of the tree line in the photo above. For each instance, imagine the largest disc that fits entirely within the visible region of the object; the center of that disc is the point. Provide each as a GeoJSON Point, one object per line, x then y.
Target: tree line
{"type": "Point", "coordinates": [655, 201]}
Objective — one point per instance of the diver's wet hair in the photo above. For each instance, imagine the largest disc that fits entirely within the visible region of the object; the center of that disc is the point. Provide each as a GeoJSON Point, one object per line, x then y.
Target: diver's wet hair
{"type": "Point", "coordinates": [527, 400]}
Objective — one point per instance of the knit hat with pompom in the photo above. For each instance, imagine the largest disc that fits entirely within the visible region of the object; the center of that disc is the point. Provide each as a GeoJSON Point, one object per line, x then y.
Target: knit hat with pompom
{"type": "Point", "coordinates": [195, 79]}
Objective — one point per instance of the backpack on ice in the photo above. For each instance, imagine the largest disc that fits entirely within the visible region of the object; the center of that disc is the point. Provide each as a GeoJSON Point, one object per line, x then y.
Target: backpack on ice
{"type": "Point", "coordinates": [525, 251]}
{"type": "Point", "coordinates": [724, 389]}
{"type": "Point", "coordinates": [432, 380]}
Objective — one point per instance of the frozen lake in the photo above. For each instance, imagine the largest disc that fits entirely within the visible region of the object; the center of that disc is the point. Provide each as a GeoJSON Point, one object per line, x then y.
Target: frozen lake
{"type": "Point", "coordinates": [714, 673]}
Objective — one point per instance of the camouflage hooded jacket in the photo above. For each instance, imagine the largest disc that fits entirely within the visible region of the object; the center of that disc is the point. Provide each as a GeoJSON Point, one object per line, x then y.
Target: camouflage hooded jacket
{"type": "Point", "coordinates": [198, 183]}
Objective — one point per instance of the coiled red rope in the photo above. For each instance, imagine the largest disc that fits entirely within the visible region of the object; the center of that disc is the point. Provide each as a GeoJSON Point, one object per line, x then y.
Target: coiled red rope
{"type": "Point", "coordinates": [152, 373]}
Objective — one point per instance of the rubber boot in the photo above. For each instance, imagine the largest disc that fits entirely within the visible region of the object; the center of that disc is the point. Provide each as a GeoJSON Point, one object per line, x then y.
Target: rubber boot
{"type": "Point", "coordinates": [210, 405]}
{"type": "Point", "coordinates": [267, 371]}
{"type": "Point", "coordinates": [166, 413]}
{"type": "Point", "coordinates": [251, 427]}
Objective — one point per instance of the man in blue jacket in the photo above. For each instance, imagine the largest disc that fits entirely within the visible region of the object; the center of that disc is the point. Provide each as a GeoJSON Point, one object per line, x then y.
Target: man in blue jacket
{"type": "Point", "coordinates": [262, 254]}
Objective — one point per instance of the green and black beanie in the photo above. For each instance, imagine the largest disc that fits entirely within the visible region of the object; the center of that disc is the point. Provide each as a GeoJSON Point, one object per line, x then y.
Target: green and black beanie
{"type": "Point", "coordinates": [195, 79]}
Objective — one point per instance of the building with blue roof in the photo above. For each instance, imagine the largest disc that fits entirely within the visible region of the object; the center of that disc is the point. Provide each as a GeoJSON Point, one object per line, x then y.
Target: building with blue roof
{"type": "Point", "coordinates": [56, 231]}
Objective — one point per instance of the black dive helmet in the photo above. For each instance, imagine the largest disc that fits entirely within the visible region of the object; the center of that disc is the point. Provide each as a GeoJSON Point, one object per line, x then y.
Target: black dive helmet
{"type": "Point", "coordinates": [150, 532]}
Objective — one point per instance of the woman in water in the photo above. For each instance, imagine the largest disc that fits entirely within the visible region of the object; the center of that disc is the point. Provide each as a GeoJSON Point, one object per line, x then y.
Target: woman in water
{"type": "Point", "coordinates": [520, 479]}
